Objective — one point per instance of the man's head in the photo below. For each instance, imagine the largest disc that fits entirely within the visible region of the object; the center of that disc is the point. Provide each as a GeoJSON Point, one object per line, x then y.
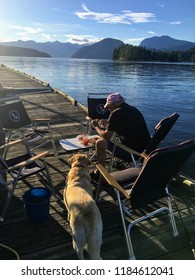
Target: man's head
{"type": "Point", "coordinates": [114, 100]}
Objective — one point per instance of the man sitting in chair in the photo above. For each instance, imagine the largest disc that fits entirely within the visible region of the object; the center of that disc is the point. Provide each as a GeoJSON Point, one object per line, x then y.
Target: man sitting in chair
{"type": "Point", "coordinates": [129, 124]}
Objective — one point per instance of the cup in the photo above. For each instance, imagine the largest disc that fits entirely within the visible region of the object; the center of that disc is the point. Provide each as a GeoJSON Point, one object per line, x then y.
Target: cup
{"type": "Point", "coordinates": [85, 140]}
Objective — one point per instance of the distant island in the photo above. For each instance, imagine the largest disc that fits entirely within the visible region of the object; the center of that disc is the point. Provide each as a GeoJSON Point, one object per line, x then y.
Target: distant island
{"type": "Point", "coordinates": [17, 51]}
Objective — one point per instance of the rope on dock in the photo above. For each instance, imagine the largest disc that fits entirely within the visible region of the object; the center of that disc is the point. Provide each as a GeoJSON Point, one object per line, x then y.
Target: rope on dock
{"type": "Point", "coordinates": [11, 250]}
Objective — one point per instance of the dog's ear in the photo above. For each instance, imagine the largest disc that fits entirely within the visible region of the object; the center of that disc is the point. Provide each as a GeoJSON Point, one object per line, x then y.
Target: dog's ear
{"type": "Point", "coordinates": [71, 160]}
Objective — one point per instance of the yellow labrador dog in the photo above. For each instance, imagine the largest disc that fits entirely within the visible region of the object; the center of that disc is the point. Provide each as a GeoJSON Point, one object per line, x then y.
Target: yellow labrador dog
{"type": "Point", "coordinates": [84, 215]}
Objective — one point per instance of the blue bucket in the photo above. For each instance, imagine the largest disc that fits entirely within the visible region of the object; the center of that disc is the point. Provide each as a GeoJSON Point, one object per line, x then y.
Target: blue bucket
{"type": "Point", "coordinates": [37, 202]}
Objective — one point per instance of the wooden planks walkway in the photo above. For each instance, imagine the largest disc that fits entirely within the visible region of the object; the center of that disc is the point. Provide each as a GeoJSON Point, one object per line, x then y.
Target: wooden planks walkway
{"type": "Point", "coordinates": [52, 240]}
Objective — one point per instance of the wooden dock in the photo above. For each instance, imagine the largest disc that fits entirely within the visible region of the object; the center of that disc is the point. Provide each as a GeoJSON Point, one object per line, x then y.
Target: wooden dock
{"type": "Point", "coordinates": [152, 240]}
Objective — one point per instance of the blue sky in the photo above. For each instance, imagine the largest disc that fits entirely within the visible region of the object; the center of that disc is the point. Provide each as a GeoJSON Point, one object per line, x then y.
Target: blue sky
{"type": "Point", "coordinates": [89, 21]}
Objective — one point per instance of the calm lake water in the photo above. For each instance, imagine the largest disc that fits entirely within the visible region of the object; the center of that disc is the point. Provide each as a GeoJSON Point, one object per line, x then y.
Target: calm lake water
{"type": "Point", "coordinates": [157, 89]}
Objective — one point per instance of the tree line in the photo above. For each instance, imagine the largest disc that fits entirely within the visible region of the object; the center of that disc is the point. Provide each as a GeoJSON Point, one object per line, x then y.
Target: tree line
{"type": "Point", "coordinates": [136, 53]}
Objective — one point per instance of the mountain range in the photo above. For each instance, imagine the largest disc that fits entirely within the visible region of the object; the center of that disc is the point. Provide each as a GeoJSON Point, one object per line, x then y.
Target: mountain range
{"type": "Point", "coordinates": [101, 50]}
{"type": "Point", "coordinates": [25, 52]}
{"type": "Point", "coordinates": [166, 43]}
{"type": "Point", "coordinates": [54, 49]}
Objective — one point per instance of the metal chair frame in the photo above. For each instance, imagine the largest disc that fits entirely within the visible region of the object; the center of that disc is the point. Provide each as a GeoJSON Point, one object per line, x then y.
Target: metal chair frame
{"type": "Point", "coordinates": [14, 169]}
{"type": "Point", "coordinates": [16, 124]}
{"type": "Point", "coordinates": [161, 130]}
{"type": "Point", "coordinates": [151, 184]}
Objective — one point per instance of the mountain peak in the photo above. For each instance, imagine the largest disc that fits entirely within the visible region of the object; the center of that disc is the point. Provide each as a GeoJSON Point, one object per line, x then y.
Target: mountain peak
{"type": "Point", "coordinates": [166, 43]}
{"type": "Point", "coordinates": [100, 50]}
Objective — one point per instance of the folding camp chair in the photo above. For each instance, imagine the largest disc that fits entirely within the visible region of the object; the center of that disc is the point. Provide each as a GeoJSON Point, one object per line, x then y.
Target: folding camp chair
{"type": "Point", "coordinates": [96, 110]}
{"type": "Point", "coordinates": [16, 169]}
{"type": "Point", "coordinates": [129, 155]}
{"type": "Point", "coordinates": [136, 188]}
{"type": "Point", "coordinates": [17, 124]}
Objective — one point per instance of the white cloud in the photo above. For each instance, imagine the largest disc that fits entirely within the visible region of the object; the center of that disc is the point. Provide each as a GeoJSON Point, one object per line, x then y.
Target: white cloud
{"type": "Point", "coordinates": [151, 32]}
{"type": "Point", "coordinates": [134, 41]}
{"type": "Point", "coordinates": [125, 17]}
{"type": "Point", "coordinates": [175, 22]}
{"type": "Point", "coordinates": [85, 8]}
{"type": "Point", "coordinates": [25, 32]}
{"type": "Point", "coordinates": [82, 39]}
{"type": "Point", "coordinates": [139, 17]}
{"type": "Point", "coordinates": [49, 37]}
{"type": "Point", "coordinates": [26, 29]}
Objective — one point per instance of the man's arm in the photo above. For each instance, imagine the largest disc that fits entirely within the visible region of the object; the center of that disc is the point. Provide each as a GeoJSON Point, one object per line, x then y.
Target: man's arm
{"type": "Point", "coordinates": [105, 134]}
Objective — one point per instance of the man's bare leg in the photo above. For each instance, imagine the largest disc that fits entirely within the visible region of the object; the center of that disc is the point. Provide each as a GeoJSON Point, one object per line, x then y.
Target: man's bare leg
{"type": "Point", "coordinates": [101, 146]}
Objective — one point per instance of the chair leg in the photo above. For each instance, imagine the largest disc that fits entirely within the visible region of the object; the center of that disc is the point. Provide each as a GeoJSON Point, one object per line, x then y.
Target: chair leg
{"type": "Point", "coordinates": [7, 139]}
{"type": "Point", "coordinates": [92, 156]}
{"type": "Point", "coordinates": [54, 147]}
{"type": "Point", "coordinates": [172, 218]}
{"type": "Point", "coordinates": [50, 183]}
{"type": "Point", "coordinates": [52, 140]}
{"type": "Point", "coordinates": [134, 161]}
{"type": "Point", "coordinates": [127, 236]}
{"type": "Point", "coordinates": [8, 199]}
{"type": "Point", "coordinates": [98, 190]}
{"type": "Point", "coordinates": [111, 159]}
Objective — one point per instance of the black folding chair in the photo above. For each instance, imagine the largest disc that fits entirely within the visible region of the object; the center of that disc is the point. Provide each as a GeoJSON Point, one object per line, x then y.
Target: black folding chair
{"type": "Point", "coordinates": [129, 155]}
{"type": "Point", "coordinates": [17, 124]}
{"type": "Point", "coordinates": [96, 110]}
{"type": "Point", "coordinates": [134, 188]}
{"type": "Point", "coordinates": [16, 169]}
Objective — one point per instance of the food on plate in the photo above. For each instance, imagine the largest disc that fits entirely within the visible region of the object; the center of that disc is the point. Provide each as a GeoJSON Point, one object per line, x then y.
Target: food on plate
{"type": "Point", "coordinates": [91, 139]}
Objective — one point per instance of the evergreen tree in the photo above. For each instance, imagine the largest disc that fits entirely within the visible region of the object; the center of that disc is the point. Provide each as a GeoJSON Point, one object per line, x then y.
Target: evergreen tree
{"type": "Point", "coordinates": [135, 53]}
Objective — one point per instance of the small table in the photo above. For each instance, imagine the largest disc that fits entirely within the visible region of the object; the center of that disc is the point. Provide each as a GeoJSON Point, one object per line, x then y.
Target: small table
{"type": "Point", "coordinates": [73, 144]}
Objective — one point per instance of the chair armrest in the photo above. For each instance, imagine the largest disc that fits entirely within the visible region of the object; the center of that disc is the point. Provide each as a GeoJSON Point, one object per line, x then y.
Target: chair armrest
{"type": "Point", "coordinates": [10, 144]}
{"type": "Point", "coordinates": [111, 181]}
{"type": "Point", "coordinates": [88, 118]}
{"type": "Point", "coordinates": [129, 150]}
{"type": "Point", "coordinates": [28, 161]}
{"type": "Point", "coordinates": [41, 120]}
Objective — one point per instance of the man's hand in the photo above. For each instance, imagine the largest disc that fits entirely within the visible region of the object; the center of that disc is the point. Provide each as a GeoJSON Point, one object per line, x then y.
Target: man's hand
{"type": "Point", "coordinates": [103, 123]}
{"type": "Point", "coordinates": [94, 123]}
{"type": "Point", "coordinates": [99, 123]}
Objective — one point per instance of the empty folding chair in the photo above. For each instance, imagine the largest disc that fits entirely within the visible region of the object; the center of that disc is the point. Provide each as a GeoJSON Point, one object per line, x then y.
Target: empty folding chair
{"type": "Point", "coordinates": [17, 124]}
{"type": "Point", "coordinates": [134, 188]}
{"type": "Point", "coordinates": [16, 169]}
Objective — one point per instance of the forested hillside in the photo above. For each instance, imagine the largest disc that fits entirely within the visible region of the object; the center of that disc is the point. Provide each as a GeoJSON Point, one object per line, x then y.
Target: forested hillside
{"type": "Point", "coordinates": [135, 53]}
